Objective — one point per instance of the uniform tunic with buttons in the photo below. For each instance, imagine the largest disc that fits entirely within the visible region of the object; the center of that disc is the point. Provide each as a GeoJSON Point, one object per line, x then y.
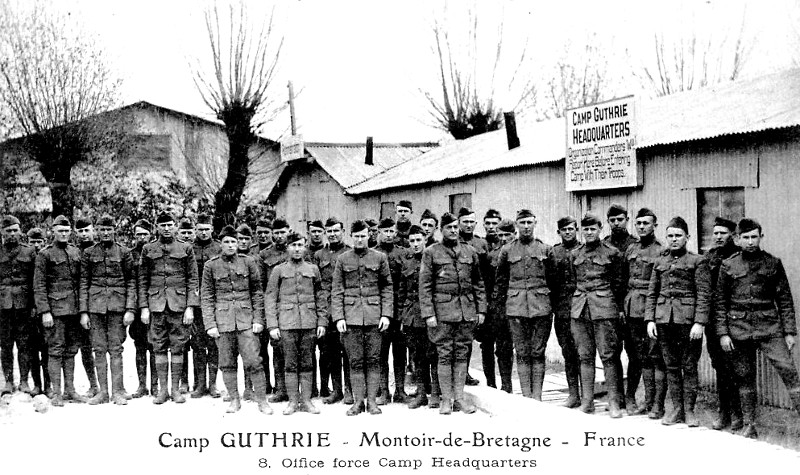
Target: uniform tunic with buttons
{"type": "Point", "coordinates": [294, 299]}
{"type": "Point", "coordinates": [56, 279]}
{"type": "Point", "coordinates": [451, 284]}
{"type": "Point", "coordinates": [362, 288]}
{"type": "Point", "coordinates": [108, 280]}
{"type": "Point", "coordinates": [325, 260]}
{"type": "Point", "coordinates": [168, 278]}
{"type": "Point", "coordinates": [526, 279]}
{"type": "Point", "coordinates": [269, 259]}
{"type": "Point", "coordinates": [679, 290]}
{"type": "Point", "coordinates": [599, 288]}
{"type": "Point", "coordinates": [640, 258]}
{"type": "Point", "coordinates": [17, 264]}
{"type": "Point", "coordinates": [231, 293]}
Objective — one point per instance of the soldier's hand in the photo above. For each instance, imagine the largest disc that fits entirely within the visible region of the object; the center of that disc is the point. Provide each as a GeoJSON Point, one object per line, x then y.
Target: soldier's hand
{"type": "Point", "coordinates": [258, 328]}
{"type": "Point", "coordinates": [341, 326]}
{"type": "Point", "coordinates": [85, 321]}
{"type": "Point", "coordinates": [481, 318]}
{"type": "Point", "coordinates": [652, 332]}
{"type": "Point", "coordinates": [320, 332]}
{"type": "Point", "coordinates": [188, 316]}
{"type": "Point", "coordinates": [726, 343]}
{"type": "Point", "coordinates": [128, 318]}
{"type": "Point", "coordinates": [789, 341]}
{"type": "Point", "coordinates": [213, 332]}
{"type": "Point", "coordinates": [430, 322]}
{"type": "Point", "coordinates": [47, 319]}
{"type": "Point", "coordinates": [145, 316]}
{"type": "Point", "coordinates": [275, 334]}
{"type": "Point", "coordinates": [383, 325]}
{"type": "Point", "coordinates": [696, 333]}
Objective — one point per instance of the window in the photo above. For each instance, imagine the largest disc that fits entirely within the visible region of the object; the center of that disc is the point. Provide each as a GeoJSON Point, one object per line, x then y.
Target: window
{"type": "Point", "coordinates": [460, 200]}
{"type": "Point", "coordinates": [387, 209]}
{"type": "Point", "coordinates": [713, 202]}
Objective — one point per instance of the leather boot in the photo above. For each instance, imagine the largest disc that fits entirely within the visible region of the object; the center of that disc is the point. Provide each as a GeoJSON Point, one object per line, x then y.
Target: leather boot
{"type": "Point", "coordinates": [68, 365]}
{"type": "Point", "coordinates": [23, 386]}
{"type": "Point", "coordinates": [200, 388]}
{"type": "Point", "coordinates": [280, 388]}
{"type": "Point", "coordinates": [87, 358]}
{"type": "Point", "coordinates": [524, 372]}
{"type": "Point", "coordinates": [689, 400]}
{"type": "Point", "coordinates": [735, 404]}
{"type": "Point", "coordinates": [293, 391]}
{"type": "Point", "coordinates": [373, 380]}
{"type": "Point", "coordinates": [305, 392]}
{"type": "Point", "coordinates": [141, 373]}
{"type": "Point", "coordinates": [231, 385]}
{"type": "Point", "coordinates": [649, 382]}
{"type": "Point", "coordinates": [660, 383]}
{"type": "Point", "coordinates": [183, 387]}
{"type": "Point", "coordinates": [358, 383]}
{"type": "Point", "coordinates": [102, 378]}
{"type": "Point", "coordinates": [504, 365]}
{"type": "Point", "coordinates": [614, 394]}
{"type": "Point", "coordinates": [749, 411]}
{"type": "Point", "coordinates": [675, 389]}
{"type": "Point", "coordinates": [446, 386]}
{"type": "Point", "coordinates": [384, 396]}
{"type": "Point", "coordinates": [634, 375]}
{"type": "Point", "coordinates": [470, 381]}
{"type": "Point", "coordinates": [348, 388]}
{"type": "Point", "coordinates": [212, 380]}
{"type": "Point", "coordinates": [420, 398]}
{"type": "Point", "coordinates": [162, 370]}
{"type": "Point", "coordinates": [154, 381]}
{"type": "Point", "coordinates": [459, 380]}
{"type": "Point", "coordinates": [537, 379]}
{"type": "Point", "coordinates": [248, 394]}
{"type": "Point", "coordinates": [336, 395]}
{"type": "Point", "coordinates": [177, 370]}
{"type": "Point", "coordinates": [260, 388]}
{"type": "Point", "coordinates": [54, 370]}
{"type": "Point", "coordinates": [587, 388]}
{"type": "Point", "coordinates": [436, 390]}
{"type": "Point", "coordinates": [400, 395]}
{"type": "Point", "coordinates": [573, 375]}
{"type": "Point", "coordinates": [120, 397]}
{"type": "Point", "coordinates": [487, 361]}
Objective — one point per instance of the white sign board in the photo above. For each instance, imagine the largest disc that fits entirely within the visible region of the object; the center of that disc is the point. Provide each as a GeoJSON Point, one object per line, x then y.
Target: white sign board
{"type": "Point", "coordinates": [601, 146]}
{"type": "Point", "coordinates": [292, 148]}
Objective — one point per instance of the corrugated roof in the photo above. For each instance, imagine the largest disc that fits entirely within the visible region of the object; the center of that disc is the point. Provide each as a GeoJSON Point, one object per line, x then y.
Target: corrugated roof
{"type": "Point", "coordinates": [767, 102]}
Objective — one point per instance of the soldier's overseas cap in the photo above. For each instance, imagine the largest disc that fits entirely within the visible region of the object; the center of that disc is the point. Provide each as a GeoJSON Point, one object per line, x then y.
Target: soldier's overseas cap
{"type": "Point", "coordinates": [358, 226]}
{"type": "Point", "coordinates": [616, 209]}
{"type": "Point", "coordinates": [9, 221]}
{"type": "Point", "coordinates": [332, 221]}
{"type": "Point", "coordinates": [448, 218]}
{"type": "Point", "coordinates": [186, 223]}
{"type": "Point", "coordinates": [244, 230]}
{"type": "Point", "coordinates": [107, 220]}
{"type": "Point", "coordinates": [566, 221]}
{"type": "Point", "coordinates": [643, 212]}
{"type": "Point", "coordinates": [507, 226]}
{"type": "Point", "coordinates": [415, 229]}
{"type": "Point", "coordinates": [227, 231]}
{"type": "Point", "coordinates": [428, 214]}
{"type": "Point", "coordinates": [371, 222]}
{"type": "Point", "coordinates": [464, 211]}
{"type": "Point", "coordinates": [725, 223]}
{"type": "Point", "coordinates": [294, 237]}
{"type": "Point", "coordinates": [36, 233]}
{"type": "Point", "coordinates": [315, 224]}
{"type": "Point", "coordinates": [164, 217]}
{"type": "Point", "coordinates": [492, 214]}
{"type": "Point", "coordinates": [405, 204]}
{"type": "Point", "coordinates": [61, 220]}
{"type": "Point", "coordinates": [680, 223]}
{"type": "Point", "coordinates": [81, 223]}
{"type": "Point", "coordinates": [280, 223]}
{"type": "Point", "coordinates": [746, 225]}
{"type": "Point", "coordinates": [590, 219]}
{"type": "Point", "coordinates": [525, 213]}
{"type": "Point", "coordinates": [144, 224]}
{"type": "Point", "coordinates": [203, 218]}
{"type": "Point", "coordinates": [264, 223]}
{"type": "Point", "coordinates": [386, 223]}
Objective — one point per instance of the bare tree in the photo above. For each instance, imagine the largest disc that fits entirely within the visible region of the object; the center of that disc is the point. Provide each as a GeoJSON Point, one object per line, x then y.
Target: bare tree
{"type": "Point", "coordinates": [54, 81]}
{"type": "Point", "coordinates": [244, 58]}
{"type": "Point", "coordinates": [469, 74]}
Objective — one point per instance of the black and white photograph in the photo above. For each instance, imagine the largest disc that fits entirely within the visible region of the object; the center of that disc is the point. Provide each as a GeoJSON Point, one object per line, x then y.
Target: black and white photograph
{"type": "Point", "coordinates": [435, 237]}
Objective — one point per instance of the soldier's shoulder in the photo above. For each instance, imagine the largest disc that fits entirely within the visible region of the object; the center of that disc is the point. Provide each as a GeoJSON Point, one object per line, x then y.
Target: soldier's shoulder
{"type": "Point", "coordinates": [610, 247]}
{"type": "Point", "coordinates": [213, 260]}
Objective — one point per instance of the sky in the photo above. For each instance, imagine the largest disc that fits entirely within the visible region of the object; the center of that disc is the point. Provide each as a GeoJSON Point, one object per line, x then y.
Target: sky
{"type": "Point", "coordinates": [359, 65]}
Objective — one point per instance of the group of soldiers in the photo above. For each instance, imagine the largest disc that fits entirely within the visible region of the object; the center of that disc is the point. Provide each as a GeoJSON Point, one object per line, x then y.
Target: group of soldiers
{"type": "Point", "coordinates": [397, 290]}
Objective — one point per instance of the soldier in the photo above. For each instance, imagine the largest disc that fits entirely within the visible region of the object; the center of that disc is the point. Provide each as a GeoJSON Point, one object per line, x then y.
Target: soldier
{"type": "Point", "coordinates": [38, 345]}
{"type": "Point", "coordinates": [186, 234]}
{"type": "Point", "coordinates": [204, 348]}
{"type": "Point", "coordinates": [730, 408]}
{"type": "Point", "coordinates": [244, 238]}
{"type": "Point", "coordinates": [55, 292]}
{"type": "Point", "coordinates": [142, 232]}
{"type": "Point", "coordinates": [678, 302]}
{"type": "Point", "coordinates": [617, 217]}
{"type": "Point", "coordinates": [271, 258]}
{"type": "Point", "coordinates": [332, 357]}
{"type": "Point", "coordinates": [526, 278]}
{"type": "Point", "coordinates": [403, 213]}
{"type": "Point", "coordinates": [506, 232]}
{"type": "Point", "coordinates": [84, 230]}
{"type": "Point", "coordinates": [186, 231]}
{"type": "Point", "coordinates": [429, 222]}
{"type": "Point", "coordinates": [373, 232]}
{"type": "Point", "coordinates": [233, 314]}
{"type": "Point", "coordinates": [596, 311]}
{"type": "Point", "coordinates": [296, 317]}
{"type": "Point", "coordinates": [106, 301]}
{"type": "Point", "coordinates": [362, 306]}
{"type": "Point", "coordinates": [567, 229]}
{"type": "Point", "coordinates": [316, 234]}
{"type": "Point", "coordinates": [755, 311]}
{"type": "Point", "coordinates": [644, 355]}
{"type": "Point", "coordinates": [452, 301]}
{"type": "Point", "coordinates": [264, 236]}
{"type": "Point", "coordinates": [466, 225]}
{"type": "Point", "coordinates": [17, 262]}
{"type": "Point", "coordinates": [168, 291]}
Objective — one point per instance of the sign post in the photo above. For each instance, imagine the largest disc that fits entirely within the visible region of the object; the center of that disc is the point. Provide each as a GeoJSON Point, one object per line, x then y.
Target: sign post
{"type": "Point", "coordinates": [292, 148]}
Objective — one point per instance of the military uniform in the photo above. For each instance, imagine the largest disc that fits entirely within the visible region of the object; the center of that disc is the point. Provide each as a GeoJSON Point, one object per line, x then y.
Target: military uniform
{"type": "Point", "coordinates": [644, 354]}
{"type": "Point", "coordinates": [107, 290]}
{"type": "Point", "coordinates": [622, 241]}
{"type": "Point", "coordinates": [394, 338]}
{"type": "Point", "coordinates": [87, 352]}
{"type": "Point", "coordinates": [204, 348]}
{"type": "Point", "coordinates": [331, 350]}
{"type": "Point", "coordinates": [482, 248]}
{"type": "Point", "coordinates": [565, 287]}
{"type": "Point", "coordinates": [270, 258]}
{"type": "Point", "coordinates": [55, 291]}
{"type": "Point", "coordinates": [451, 290]}
{"type": "Point", "coordinates": [526, 279]}
{"type": "Point", "coordinates": [361, 294]}
{"type": "Point", "coordinates": [495, 334]}
{"type": "Point", "coordinates": [16, 325]}
{"type": "Point", "coordinates": [754, 307]}
{"type": "Point", "coordinates": [595, 311]}
{"type": "Point", "coordinates": [138, 332]}
{"type": "Point", "coordinates": [679, 296]}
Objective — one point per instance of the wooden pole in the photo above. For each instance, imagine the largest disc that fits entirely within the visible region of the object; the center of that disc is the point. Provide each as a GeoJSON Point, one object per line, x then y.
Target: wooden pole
{"type": "Point", "coordinates": [291, 108]}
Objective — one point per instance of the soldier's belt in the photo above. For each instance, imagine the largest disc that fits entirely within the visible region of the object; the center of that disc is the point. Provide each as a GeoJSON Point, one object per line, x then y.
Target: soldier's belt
{"type": "Point", "coordinates": [752, 307]}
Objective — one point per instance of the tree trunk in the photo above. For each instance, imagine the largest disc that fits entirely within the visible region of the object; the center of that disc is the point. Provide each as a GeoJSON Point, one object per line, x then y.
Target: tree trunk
{"type": "Point", "coordinates": [62, 196]}
{"type": "Point", "coordinates": [227, 199]}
